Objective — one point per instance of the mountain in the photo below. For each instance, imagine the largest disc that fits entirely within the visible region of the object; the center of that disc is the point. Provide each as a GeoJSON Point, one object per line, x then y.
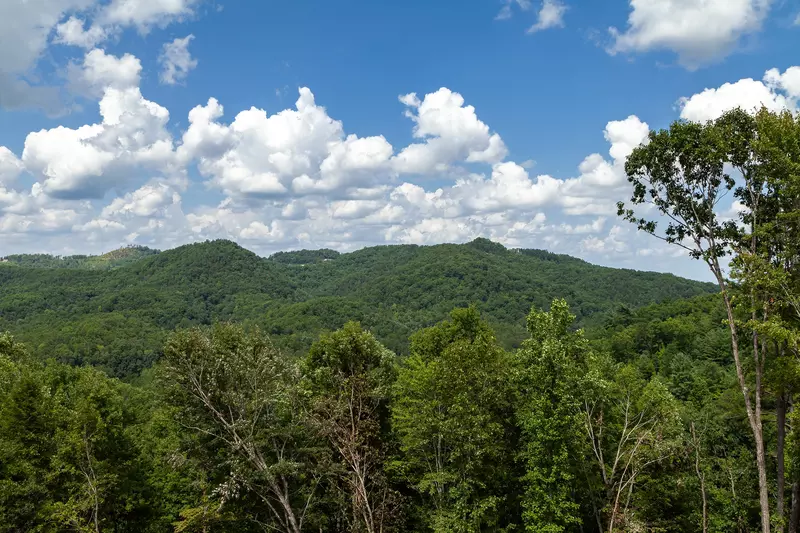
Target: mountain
{"type": "Point", "coordinates": [107, 261]}
{"type": "Point", "coordinates": [118, 317]}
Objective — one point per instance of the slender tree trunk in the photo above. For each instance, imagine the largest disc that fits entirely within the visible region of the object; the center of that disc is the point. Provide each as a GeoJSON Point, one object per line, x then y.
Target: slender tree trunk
{"type": "Point", "coordinates": [701, 477]}
{"type": "Point", "coordinates": [780, 413]}
{"type": "Point", "coordinates": [753, 416]}
{"type": "Point", "coordinates": [758, 432]}
{"type": "Point", "coordinates": [292, 523]}
{"type": "Point", "coordinates": [794, 513]}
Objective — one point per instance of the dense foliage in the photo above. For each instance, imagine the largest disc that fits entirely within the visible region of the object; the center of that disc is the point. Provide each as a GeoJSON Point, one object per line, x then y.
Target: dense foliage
{"type": "Point", "coordinates": [107, 261]}
{"type": "Point", "coordinates": [119, 319]}
{"type": "Point", "coordinates": [608, 430]}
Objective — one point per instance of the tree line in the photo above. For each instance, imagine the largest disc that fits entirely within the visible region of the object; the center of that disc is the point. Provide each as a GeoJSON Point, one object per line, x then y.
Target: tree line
{"type": "Point", "coordinates": [229, 434]}
{"type": "Point", "coordinates": [119, 319]}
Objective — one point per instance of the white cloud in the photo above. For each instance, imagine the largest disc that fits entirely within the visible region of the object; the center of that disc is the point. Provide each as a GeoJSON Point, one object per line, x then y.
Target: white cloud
{"type": "Point", "coordinates": [71, 32]}
{"type": "Point", "coordinates": [90, 160]}
{"type": "Point", "coordinates": [300, 150]}
{"type": "Point", "coordinates": [551, 15]}
{"type": "Point", "coordinates": [508, 187]}
{"type": "Point", "coordinates": [147, 201]}
{"type": "Point", "coordinates": [777, 91]}
{"type": "Point", "coordinates": [616, 242]}
{"type": "Point", "coordinates": [10, 166]}
{"type": "Point", "coordinates": [507, 11]}
{"type": "Point", "coordinates": [594, 226]}
{"type": "Point", "coordinates": [788, 82]}
{"type": "Point", "coordinates": [601, 183]}
{"type": "Point", "coordinates": [176, 61]}
{"type": "Point", "coordinates": [100, 225]}
{"type": "Point", "coordinates": [698, 31]}
{"type": "Point", "coordinates": [144, 14]}
{"type": "Point", "coordinates": [101, 71]}
{"type": "Point", "coordinates": [624, 136]}
{"type": "Point", "coordinates": [45, 220]}
{"type": "Point", "coordinates": [452, 132]}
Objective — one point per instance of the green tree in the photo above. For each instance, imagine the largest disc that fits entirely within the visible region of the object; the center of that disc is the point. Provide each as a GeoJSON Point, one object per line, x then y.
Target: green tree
{"type": "Point", "coordinates": [551, 365]}
{"type": "Point", "coordinates": [348, 376]}
{"type": "Point", "coordinates": [765, 266]}
{"type": "Point", "coordinates": [236, 389]}
{"type": "Point", "coordinates": [67, 456]}
{"type": "Point", "coordinates": [682, 173]}
{"type": "Point", "coordinates": [632, 424]}
{"type": "Point", "coordinates": [452, 415]}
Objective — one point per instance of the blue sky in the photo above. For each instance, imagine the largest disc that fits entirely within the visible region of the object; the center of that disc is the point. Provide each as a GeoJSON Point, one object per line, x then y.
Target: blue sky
{"type": "Point", "coordinates": [364, 122]}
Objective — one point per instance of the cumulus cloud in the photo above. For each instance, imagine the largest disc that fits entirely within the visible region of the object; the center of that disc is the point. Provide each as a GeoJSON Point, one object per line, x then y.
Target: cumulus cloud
{"type": "Point", "coordinates": [100, 71]}
{"type": "Point", "coordinates": [144, 14]}
{"type": "Point", "coordinates": [776, 92]}
{"type": "Point", "coordinates": [699, 32]}
{"type": "Point", "coordinates": [147, 201]}
{"type": "Point", "coordinates": [300, 150]}
{"type": "Point", "coordinates": [551, 15]}
{"type": "Point", "coordinates": [72, 32]}
{"type": "Point", "coordinates": [451, 131]}
{"type": "Point", "coordinates": [88, 161]}
{"type": "Point", "coordinates": [176, 61]}
{"type": "Point", "coordinates": [26, 27]}
{"type": "Point", "coordinates": [10, 166]}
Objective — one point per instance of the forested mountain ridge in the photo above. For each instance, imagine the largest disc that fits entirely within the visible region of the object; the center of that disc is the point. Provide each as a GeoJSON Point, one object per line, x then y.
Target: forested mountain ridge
{"type": "Point", "coordinates": [118, 318]}
{"type": "Point", "coordinates": [109, 260]}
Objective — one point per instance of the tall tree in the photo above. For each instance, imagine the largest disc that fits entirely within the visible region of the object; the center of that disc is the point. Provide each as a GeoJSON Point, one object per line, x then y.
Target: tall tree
{"type": "Point", "coordinates": [551, 365]}
{"type": "Point", "coordinates": [765, 265]}
{"type": "Point", "coordinates": [682, 172]}
{"type": "Point", "coordinates": [349, 375]}
{"type": "Point", "coordinates": [452, 415]}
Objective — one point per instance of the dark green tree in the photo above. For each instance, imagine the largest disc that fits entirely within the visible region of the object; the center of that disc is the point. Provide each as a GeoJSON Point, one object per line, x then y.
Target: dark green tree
{"type": "Point", "coordinates": [348, 378]}
{"type": "Point", "coordinates": [236, 389]}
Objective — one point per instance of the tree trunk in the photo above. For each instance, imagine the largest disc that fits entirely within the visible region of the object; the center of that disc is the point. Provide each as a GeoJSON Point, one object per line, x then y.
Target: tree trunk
{"type": "Point", "coordinates": [794, 517]}
{"type": "Point", "coordinates": [753, 416]}
{"type": "Point", "coordinates": [701, 477]}
{"type": "Point", "coordinates": [761, 458]}
{"type": "Point", "coordinates": [292, 525]}
{"type": "Point", "coordinates": [780, 461]}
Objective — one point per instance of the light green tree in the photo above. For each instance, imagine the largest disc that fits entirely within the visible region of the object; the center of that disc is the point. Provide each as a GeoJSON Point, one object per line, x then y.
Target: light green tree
{"type": "Point", "coordinates": [550, 368]}
{"type": "Point", "coordinates": [452, 415]}
{"type": "Point", "coordinates": [631, 424]}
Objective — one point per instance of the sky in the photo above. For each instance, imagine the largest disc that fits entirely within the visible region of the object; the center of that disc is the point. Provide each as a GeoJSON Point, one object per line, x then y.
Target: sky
{"type": "Point", "coordinates": [346, 123]}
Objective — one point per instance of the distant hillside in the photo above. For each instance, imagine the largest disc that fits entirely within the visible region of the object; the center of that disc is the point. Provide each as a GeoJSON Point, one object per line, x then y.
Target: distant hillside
{"type": "Point", "coordinates": [118, 317]}
{"type": "Point", "coordinates": [107, 261]}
